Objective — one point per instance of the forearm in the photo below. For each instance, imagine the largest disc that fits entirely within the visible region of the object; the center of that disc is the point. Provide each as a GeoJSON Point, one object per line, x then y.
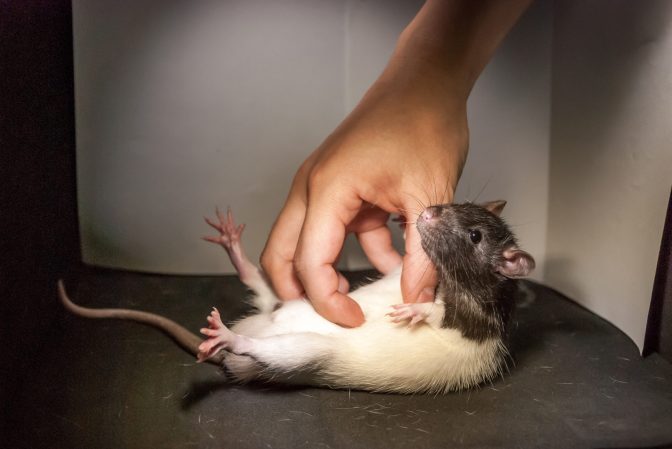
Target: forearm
{"type": "Point", "coordinates": [449, 42]}
{"type": "Point", "coordinates": [436, 62]}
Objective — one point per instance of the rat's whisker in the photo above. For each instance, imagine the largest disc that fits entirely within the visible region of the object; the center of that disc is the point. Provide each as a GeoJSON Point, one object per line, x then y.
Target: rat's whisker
{"type": "Point", "coordinates": [482, 189]}
{"type": "Point", "coordinates": [417, 200]}
{"type": "Point", "coordinates": [445, 199]}
{"type": "Point", "coordinates": [406, 212]}
{"type": "Point", "coordinates": [430, 175]}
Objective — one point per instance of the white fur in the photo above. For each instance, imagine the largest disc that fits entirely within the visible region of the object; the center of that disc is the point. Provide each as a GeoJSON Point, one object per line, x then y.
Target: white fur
{"type": "Point", "coordinates": [294, 344]}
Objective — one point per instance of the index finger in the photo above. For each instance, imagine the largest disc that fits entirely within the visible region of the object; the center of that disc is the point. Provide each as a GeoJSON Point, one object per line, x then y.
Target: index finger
{"type": "Point", "coordinates": [320, 243]}
{"type": "Point", "coordinates": [278, 255]}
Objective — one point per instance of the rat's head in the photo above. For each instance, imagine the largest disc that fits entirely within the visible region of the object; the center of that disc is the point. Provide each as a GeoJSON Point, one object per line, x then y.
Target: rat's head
{"type": "Point", "coordinates": [469, 242]}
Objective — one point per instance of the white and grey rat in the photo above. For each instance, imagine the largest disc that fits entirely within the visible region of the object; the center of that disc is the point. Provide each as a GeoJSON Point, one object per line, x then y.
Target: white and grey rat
{"type": "Point", "coordinates": [455, 342]}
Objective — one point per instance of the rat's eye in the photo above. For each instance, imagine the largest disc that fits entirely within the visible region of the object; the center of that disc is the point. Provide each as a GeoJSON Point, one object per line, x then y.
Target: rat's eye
{"type": "Point", "coordinates": [475, 236]}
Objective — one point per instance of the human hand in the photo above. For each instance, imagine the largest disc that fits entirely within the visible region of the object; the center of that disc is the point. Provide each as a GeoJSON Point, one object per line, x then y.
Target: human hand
{"type": "Point", "coordinates": [401, 149]}
{"type": "Point", "coordinates": [396, 153]}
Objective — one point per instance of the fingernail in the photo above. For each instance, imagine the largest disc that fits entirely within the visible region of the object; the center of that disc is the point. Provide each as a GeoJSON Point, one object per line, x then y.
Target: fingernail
{"type": "Point", "coordinates": [426, 295]}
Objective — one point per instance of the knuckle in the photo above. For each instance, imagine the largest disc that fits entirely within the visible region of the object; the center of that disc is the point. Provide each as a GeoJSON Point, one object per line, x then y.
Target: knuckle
{"type": "Point", "coordinates": [302, 175]}
{"type": "Point", "coordinates": [303, 171]}
{"type": "Point", "coordinates": [266, 261]}
{"type": "Point", "coordinates": [272, 264]}
{"type": "Point", "coordinates": [299, 265]}
{"type": "Point", "coordinates": [317, 177]}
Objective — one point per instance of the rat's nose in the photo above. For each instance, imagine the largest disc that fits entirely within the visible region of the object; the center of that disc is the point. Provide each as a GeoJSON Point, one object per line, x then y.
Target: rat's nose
{"type": "Point", "coordinates": [431, 214]}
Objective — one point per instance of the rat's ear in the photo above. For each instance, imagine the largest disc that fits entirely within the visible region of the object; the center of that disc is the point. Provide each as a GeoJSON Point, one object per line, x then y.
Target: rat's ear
{"type": "Point", "coordinates": [495, 207]}
{"type": "Point", "coordinates": [516, 263]}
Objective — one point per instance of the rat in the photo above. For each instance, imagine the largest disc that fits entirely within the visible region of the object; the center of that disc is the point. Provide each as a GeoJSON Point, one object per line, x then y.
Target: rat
{"type": "Point", "coordinates": [456, 342]}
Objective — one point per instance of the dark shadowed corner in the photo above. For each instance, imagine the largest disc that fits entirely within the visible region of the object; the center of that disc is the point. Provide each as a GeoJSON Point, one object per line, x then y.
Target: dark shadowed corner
{"type": "Point", "coordinates": [659, 325]}
{"type": "Point", "coordinates": [38, 220]}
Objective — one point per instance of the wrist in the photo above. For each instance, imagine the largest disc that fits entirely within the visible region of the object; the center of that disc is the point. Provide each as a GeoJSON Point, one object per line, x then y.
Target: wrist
{"type": "Point", "coordinates": [454, 39]}
{"type": "Point", "coordinates": [428, 65]}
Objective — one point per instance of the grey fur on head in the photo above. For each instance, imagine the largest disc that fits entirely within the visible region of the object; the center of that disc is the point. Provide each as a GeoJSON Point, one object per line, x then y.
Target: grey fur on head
{"type": "Point", "coordinates": [477, 257]}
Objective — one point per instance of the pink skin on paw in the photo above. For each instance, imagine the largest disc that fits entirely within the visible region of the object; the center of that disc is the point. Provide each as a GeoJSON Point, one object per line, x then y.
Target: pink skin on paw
{"type": "Point", "coordinates": [415, 312]}
{"type": "Point", "coordinates": [230, 234]}
{"type": "Point", "coordinates": [229, 238]}
{"type": "Point", "coordinates": [219, 337]}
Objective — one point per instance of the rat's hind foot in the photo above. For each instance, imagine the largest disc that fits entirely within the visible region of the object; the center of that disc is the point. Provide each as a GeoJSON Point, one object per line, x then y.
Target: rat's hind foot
{"type": "Point", "coordinates": [428, 312]}
{"type": "Point", "coordinates": [230, 234]}
{"type": "Point", "coordinates": [230, 239]}
{"type": "Point", "coordinates": [220, 337]}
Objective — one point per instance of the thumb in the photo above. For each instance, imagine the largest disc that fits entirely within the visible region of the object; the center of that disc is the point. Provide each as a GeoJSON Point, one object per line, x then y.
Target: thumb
{"type": "Point", "coordinates": [418, 275]}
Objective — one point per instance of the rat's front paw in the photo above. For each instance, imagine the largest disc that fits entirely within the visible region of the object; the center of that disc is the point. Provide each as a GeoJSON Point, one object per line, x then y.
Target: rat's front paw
{"type": "Point", "coordinates": [415, 313]}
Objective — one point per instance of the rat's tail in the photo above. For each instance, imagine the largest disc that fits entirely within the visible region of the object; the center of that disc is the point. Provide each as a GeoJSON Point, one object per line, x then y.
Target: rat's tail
{"type": "Point", "coordinates": [184, 338]}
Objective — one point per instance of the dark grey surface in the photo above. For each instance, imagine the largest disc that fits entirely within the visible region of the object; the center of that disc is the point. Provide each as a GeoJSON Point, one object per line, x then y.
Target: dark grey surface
{"type": "Point", "coordinates": [577, 382]}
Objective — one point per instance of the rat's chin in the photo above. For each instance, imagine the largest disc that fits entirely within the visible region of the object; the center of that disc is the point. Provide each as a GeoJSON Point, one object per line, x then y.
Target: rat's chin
{"type": "Point", "coordinates": [428, 241]}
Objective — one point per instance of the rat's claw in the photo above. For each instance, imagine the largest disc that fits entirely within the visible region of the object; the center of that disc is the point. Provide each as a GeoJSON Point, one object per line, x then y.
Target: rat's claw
{"type": "Point", "coordinates": [229, 216]}
{"type": "Point", "coordinates": [209, 332]}
{"type": "Point", "coordinates": [215, 225]}
{"type": "Point", "coordinates": [220, 216]}
{"type": "Point", "coordinates": [229, 233]}
{"type": "Point", "coordinates": [219, 337]}
{"type": "Point", "coordinates": [215, 319]}
{"type": "Point", "coordinates": [416, 319]}
{"type": "Point", "coordinates": [208, 349]}
{"type": "Point", "coordinates": [239, 231]}
{"type": "Point", "coordinates": [414, 313]}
